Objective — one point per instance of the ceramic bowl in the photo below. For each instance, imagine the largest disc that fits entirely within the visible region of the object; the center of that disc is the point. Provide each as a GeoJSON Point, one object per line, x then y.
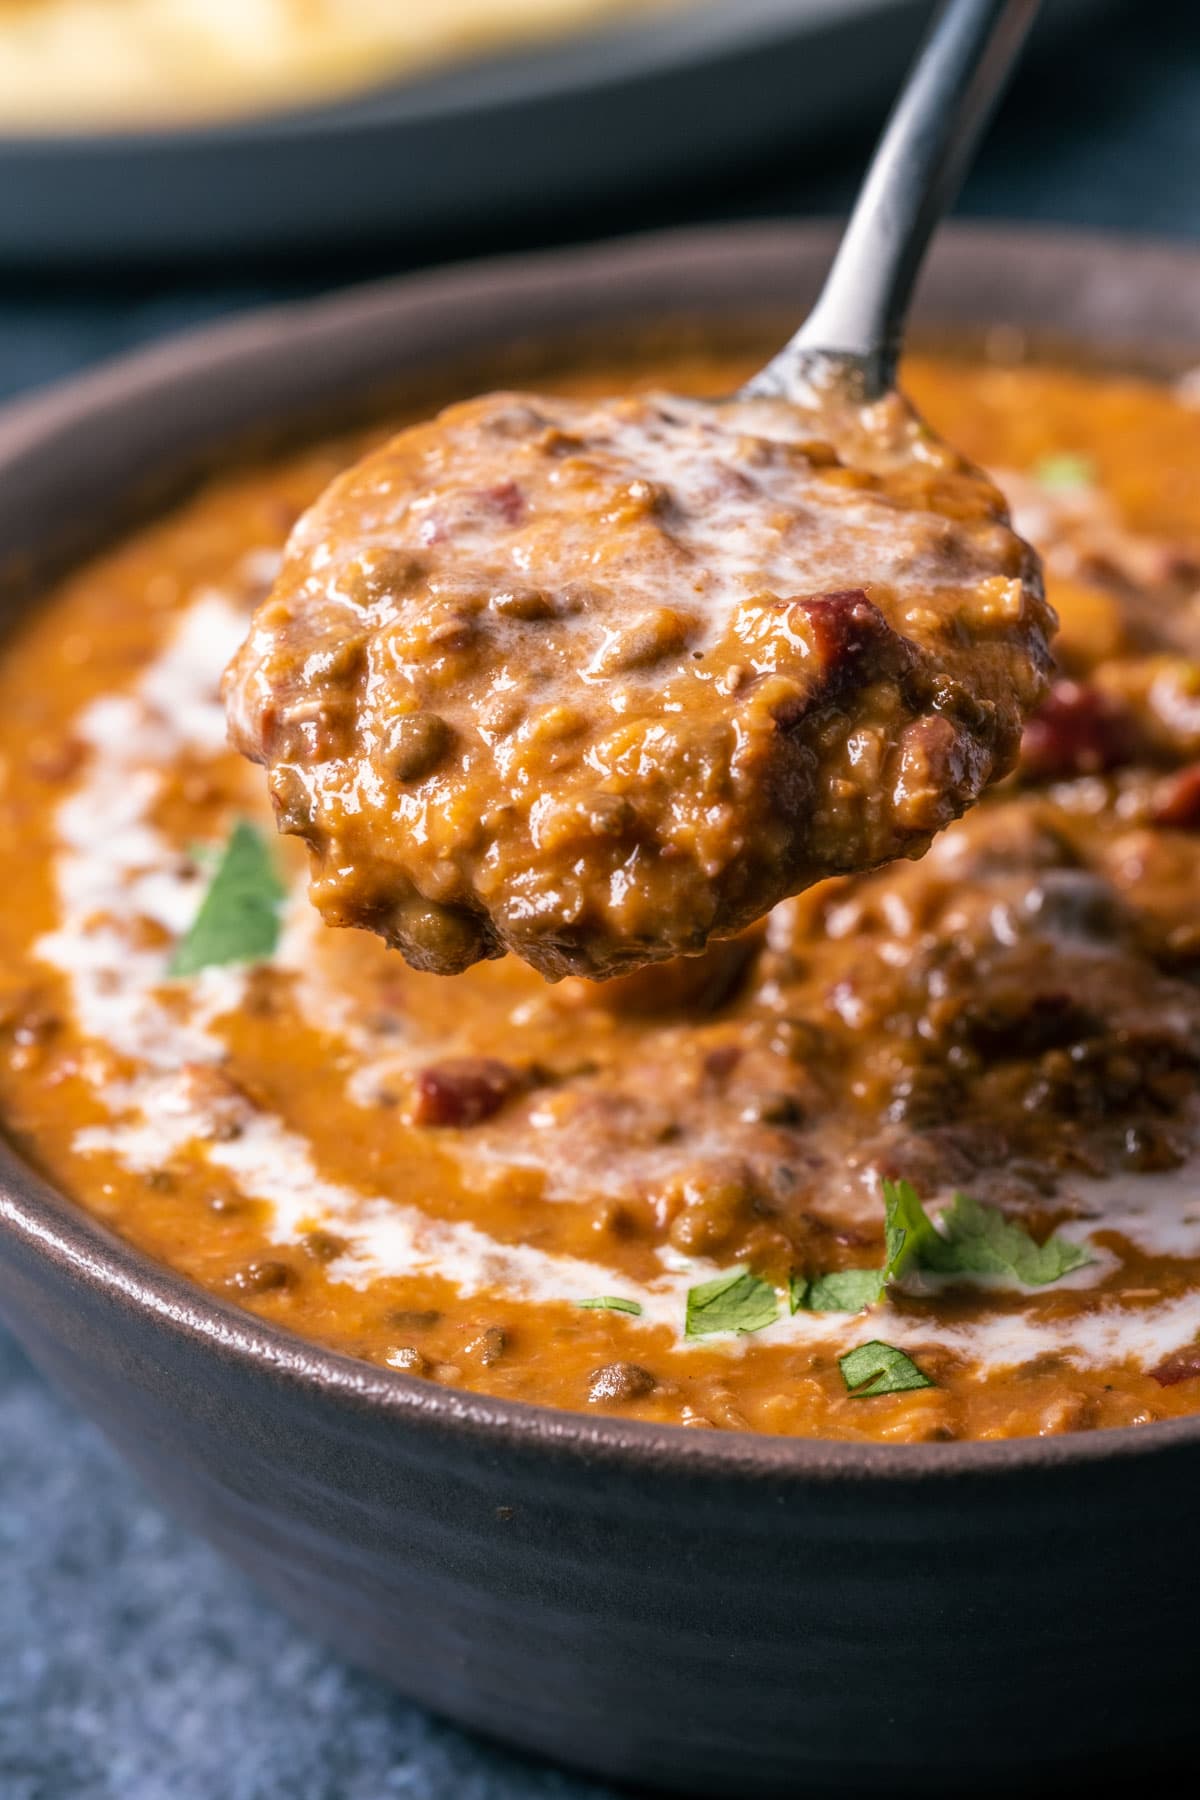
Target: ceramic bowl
{"type": "Point", "coordinates": [702, 1612]}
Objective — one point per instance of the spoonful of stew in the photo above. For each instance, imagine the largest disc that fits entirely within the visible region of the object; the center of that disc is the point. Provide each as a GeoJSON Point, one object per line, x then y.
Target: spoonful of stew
{"type": "Point", "coordinates": [599, 681]}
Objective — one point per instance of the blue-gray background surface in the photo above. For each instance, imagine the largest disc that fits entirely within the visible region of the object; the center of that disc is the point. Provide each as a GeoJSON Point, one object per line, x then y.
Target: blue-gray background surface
{"type": "Point", "coordinates": [133, 1664]}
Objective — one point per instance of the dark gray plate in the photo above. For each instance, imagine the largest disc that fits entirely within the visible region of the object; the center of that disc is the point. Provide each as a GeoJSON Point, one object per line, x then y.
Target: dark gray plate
{"type": "Point", "coordinates": [653, 100]}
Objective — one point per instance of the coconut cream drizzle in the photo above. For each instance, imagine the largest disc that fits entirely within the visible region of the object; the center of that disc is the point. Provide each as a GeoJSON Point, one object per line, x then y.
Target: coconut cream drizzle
{"type": "Point", "coordinates": [113, 866]}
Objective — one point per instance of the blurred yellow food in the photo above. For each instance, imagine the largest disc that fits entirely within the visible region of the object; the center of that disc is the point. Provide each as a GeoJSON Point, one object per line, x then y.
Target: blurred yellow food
{"type": "Point", "coordinates": [69, 64]}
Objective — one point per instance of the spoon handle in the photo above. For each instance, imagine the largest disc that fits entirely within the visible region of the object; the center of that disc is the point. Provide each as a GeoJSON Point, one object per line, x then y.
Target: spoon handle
{"type": "Point", "coordinates": [858, 320]}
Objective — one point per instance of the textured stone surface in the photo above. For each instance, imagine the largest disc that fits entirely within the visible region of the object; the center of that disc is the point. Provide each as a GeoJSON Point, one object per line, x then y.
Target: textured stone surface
{"type": "Point", "coordinates": [133, 1663]}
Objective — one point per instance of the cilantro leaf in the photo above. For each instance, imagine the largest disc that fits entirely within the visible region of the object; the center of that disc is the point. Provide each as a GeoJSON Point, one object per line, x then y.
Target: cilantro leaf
{"type": "Point", "coordinates": [980, 1240]}
{"type": "Point", "coordinates": [844, 1290]}
{"type": "Point", "coordinates": [909, 1233]}
{"type": "Point", "coordinates": [877, 1368]}
{"type": "Point", "coordinates": [613, 1303]}
{"type": "Point", "coordinates": [239, 916]}
{"type": "Point", "coordinates": [737, 1301]}
{"type": "Point", "coordinates": [1063, 471]}
{"type": "Point", "coordinates": [975, 1239]}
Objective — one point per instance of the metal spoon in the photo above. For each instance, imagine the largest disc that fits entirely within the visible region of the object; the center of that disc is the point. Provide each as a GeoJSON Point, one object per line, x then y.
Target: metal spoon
{"type": "Point", "coordinates": [851, 339]}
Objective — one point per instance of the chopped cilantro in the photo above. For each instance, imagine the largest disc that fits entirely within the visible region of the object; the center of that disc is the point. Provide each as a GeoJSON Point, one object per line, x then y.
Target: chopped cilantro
{"type": "Point", "coordinates": [975, 1239]}
{"type": "Point", "coordinates": [612, 1303]}
{"type": "Point", "coordinates": [844, 1290]}
{"type": "Point", "coordinates": [238, 920]}
{"type": "Point", "coordinates": [980, 1240]}
{"type": "Point", "coordinates": [1064, 471]}
{"type": "Point", "coordinates": [737, 1301]}
{"type": "Point", "coordinates": [909, 1232]}
{"type": "Point", "coordinates": [877, 1368]}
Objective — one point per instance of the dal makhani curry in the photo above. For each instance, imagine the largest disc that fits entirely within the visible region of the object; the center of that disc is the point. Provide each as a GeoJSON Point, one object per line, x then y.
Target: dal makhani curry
{"type": "Point", "coordinates": [910, 1159]}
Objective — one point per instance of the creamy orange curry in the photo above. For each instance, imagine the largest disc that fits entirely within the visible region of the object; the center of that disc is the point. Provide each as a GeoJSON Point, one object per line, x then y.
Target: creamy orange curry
{"type": "Point", "coordinates": [912, 1160]}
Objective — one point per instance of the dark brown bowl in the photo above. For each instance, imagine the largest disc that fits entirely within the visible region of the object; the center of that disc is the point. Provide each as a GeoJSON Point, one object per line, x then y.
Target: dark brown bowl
{"type": "Point", "coordinates": [705, 1612]}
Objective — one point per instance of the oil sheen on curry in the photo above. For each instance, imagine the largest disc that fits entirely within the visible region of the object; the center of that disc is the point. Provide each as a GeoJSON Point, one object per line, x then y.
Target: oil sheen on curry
{"type": "Point", "coordinates": [912, 1159]}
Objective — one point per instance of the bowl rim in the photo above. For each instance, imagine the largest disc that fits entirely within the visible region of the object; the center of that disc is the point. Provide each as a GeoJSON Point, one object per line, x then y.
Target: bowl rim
{"type": "Point", "coordinates": [41, 1221]}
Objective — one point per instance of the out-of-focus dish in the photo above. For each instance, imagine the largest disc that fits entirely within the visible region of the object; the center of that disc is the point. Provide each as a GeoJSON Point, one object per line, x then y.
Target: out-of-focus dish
{"type": "Point", "coordinates": [643, 96]}
{"type": "Point", "coordinates": [67, 65]}
{"type": "Point", "coordinates": [648, 94]}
